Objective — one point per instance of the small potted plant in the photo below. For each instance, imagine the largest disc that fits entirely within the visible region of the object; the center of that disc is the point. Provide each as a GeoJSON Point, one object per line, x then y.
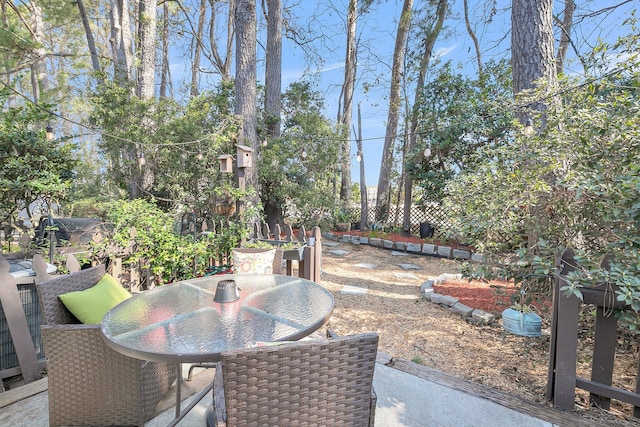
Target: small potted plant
{"type": "Point", "coordinates": [519, 319]}
{"type": "Point", "coordinates": [342, 220]}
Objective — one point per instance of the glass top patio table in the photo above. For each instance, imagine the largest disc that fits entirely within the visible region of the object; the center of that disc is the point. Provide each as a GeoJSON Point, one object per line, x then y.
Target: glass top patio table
{"type": "Point", "coordinates": [180, 322]}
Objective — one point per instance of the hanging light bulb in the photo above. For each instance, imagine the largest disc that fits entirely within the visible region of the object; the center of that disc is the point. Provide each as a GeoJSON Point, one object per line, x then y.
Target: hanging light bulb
{"type": "Point", "coordinates": [49, 135]}
{"type": "Point", "coordinates": [199, 156]}
{"type": "Point", "coordinates": [427, 152]}
{"type": "Point", "coordinates": [304, 154]}
{"type": "Point", "coordinates": [265, 143]}
{"type": "Point", "coordinates": [528, 127]}
{"type": "Point", "coordinates": [359, 157]}
{"type": "Point", "coordinates": [141, 160]}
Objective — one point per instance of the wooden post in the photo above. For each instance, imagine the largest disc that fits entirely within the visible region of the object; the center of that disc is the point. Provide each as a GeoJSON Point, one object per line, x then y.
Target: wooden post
{"type": "Point", "coordinates": [265, 231]}
{"type": "Point", "coordinates": [566, 351]}
{"type": "Point", "coordinates": [288, 232]}
{"type": "Point", "coordinates": [241, 183]}
{"type": "Point", "coordinates": [561, 379]}
{"type": "Point", "coordinates": [257, 233]}
{"type": "Point", "coordinates": [72, 264]}
{"type": "Point", "coordinates": [244, 160]}
{"type": "Point", "coordinates": [307, 265]}
{"type": "Point", "coordinates": [18, 325]}
{"type": "Point", "coordinates": [116, 269]}
{"type": "Point", "coordinates": [603, 354]}
{"type": "Point", "coordinates": [317, 254]}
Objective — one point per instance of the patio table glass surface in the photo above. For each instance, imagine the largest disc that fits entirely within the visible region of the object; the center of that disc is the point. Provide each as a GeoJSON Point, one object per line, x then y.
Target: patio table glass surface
{"type": "Point", "coordinates": [180, 322]}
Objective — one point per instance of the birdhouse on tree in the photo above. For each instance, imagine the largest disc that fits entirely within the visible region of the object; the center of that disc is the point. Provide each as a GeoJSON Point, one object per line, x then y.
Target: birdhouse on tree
{"type": "Point", "coordinates": [244, 156]}
{"type": "Point", "coordinates": [226, 163]}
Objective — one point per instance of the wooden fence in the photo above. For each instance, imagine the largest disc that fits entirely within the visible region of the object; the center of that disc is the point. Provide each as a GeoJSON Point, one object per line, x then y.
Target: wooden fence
{"type": "Point", "coordinates": [562, 380]}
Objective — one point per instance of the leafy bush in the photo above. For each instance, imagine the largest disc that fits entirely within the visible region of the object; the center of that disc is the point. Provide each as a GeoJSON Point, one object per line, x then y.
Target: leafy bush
{"type": "Point", "coordinates": [32, 169]}
{"type": "Point", "coordinates": [144, 236]}
{"type": "Point", "coordinates": [575, 183]}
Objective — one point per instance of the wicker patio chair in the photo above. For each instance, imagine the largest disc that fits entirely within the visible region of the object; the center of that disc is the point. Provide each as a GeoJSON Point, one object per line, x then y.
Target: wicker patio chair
{"type": "Point", "coordinates": [307, 383]}
{"type": "Point", "coordinates": [89, 383]}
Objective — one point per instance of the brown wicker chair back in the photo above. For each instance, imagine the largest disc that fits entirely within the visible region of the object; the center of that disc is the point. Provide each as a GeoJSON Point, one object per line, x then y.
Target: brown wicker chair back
{"type": "Point", "coordinates": [53, 310]}
{"type": "Point", "coordinates": [89, 383]}
{"type": "Point", "coordinates": [310, 383]}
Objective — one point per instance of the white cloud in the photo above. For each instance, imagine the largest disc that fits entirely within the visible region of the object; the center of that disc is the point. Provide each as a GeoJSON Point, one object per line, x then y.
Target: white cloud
{"type": "Point", "coordinates": [444, 51]}
{"type": "Point", "coordinates": [331, 67]}
{"type": "Point", "coordinates": [292, 74]}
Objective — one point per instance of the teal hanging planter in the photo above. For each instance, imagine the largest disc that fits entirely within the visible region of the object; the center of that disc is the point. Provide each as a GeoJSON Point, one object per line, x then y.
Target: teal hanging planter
{"type": "Point", "coordinates": [521, 323]}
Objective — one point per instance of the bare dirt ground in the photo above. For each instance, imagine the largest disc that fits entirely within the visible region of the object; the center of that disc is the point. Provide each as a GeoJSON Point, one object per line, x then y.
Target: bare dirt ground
{"type": "Point", "coordinates": [411, 327]}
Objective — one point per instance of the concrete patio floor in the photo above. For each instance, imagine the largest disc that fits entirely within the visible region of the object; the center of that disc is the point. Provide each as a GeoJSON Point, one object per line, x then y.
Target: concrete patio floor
{"type": "Point", "coordinates": [409, 395]}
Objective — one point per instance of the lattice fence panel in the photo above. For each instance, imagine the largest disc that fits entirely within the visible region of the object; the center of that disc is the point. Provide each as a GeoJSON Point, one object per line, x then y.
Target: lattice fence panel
{"type": "Point", "coordinates": [434, 214]}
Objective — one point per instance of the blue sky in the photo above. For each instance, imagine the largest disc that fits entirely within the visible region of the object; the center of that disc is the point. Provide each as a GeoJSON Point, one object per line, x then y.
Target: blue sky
{"type": "Point", "coordinates": [378, 27]}
{"type": "Point", "coordinates": [454, 44]}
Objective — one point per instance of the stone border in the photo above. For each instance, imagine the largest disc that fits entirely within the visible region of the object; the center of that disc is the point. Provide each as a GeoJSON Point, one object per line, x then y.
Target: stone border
{"type": "Point", "coordinates": [475, 316]}
{"type": "Point", "coordinates": [415, 248]}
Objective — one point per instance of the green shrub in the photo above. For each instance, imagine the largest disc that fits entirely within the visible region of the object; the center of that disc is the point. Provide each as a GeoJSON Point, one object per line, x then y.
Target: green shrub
{"type": "Point", "coordinates": [144, 237]}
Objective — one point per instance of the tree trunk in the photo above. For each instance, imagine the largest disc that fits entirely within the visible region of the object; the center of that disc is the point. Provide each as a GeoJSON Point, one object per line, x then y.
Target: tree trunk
{"type": "Point", "coordinates": [165, 73]}
{"type": "Point", "coordinates": [197, 49]}
{"type": "Point", "coordinates": [6, 57]}
{"type": "Point", "coordinates": [532, 56]}
{"type": "Point", "coordinates": [273, 213]}
{"type": "Point", "coordinates": [147, 49]}
{"type": "Point", "coordinates": [95, 61]}
{"type": "Point", "coordinates": [121, 41]}
{"type": "Point", "coordinates": [565, 34]}
{"type": "Point", "coordinates": [273, 68]}
{"type": "Point", "coordinates": [532, 60]}
{"type": "Point", "coordinates": [273, 90]}
{"type": "Point", "coordinates": [222, 65]}
{"type": "Point", "coordinates": [347, 104]}
{"type": "Point", "coordinates": [384, 195]}
{"type": "Point", "coordinates": [245, 106]}
{"type": "Point", "coordinates": [39, 76]}
{"type": "Point", "coordinates": [430, 41]}
{"type": "Point", "coordinates": [364, 202]}
{"type": "Point", "coordinates": [472, 34]}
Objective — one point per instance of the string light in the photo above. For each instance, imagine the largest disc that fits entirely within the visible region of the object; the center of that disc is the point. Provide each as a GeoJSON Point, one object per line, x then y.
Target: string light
{"type": "Point", "coordinates": [427, 151]}
{"type": "Point", "coordinates": [49, 135]}
{"type": "Point", "coordinates": [200, 156]}
{"type": "Point", "coordinates": [141, 160]}
{"type": "Point", "coordinates": [528, 127]}
{"type": "Point", "coordinates": [304, 154]}
{"type": "Point", "coordinates": [359, 157]}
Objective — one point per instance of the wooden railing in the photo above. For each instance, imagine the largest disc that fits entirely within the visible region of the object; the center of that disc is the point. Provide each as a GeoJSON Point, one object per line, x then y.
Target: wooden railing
{"type": "Point", "coordinates": [562, 379]}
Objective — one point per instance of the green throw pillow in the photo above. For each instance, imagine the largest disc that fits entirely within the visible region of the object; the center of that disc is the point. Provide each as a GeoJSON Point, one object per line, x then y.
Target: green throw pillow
{"type": "Point", "coordinates": [90, 306]}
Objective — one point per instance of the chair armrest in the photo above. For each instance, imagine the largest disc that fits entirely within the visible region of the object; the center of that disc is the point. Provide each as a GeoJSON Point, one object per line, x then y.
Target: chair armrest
{"type": "Point", "coordinates": [219, 404]}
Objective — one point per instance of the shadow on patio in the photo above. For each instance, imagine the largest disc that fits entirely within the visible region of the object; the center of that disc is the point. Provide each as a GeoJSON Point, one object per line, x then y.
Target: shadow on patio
{"type": "Point", "coordinates": [409, 395]}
